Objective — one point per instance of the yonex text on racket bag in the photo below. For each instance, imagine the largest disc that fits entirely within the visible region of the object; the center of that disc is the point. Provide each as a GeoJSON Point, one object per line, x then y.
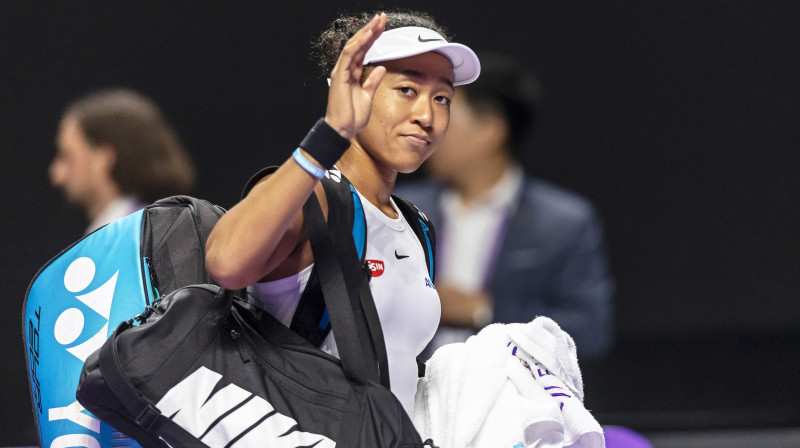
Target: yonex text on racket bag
{"type": "Point", "coordinates": [82, 294]}
{"type": "Point", "coordinates": [206, 369]}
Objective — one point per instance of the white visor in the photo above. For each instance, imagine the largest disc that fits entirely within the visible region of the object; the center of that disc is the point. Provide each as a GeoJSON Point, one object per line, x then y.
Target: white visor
{"type": "Point", "coordinates": [413, 40]}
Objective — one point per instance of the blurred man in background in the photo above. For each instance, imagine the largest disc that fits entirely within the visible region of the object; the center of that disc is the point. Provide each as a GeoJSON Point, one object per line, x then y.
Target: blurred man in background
{"type": "Point", "coordinates": [509, 247]}
{"type": "Point", "coordinates": [115, 154]}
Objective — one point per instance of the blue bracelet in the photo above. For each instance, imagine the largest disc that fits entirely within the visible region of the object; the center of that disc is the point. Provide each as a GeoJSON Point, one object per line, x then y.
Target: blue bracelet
{"type": "Point", "coordinates": [304, 163]}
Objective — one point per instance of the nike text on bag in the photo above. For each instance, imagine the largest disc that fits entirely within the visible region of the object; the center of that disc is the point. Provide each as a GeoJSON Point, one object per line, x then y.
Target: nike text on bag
{"type": "Point", "coordinates": [82, 294]}
{"type": "Point", "coordinates": [205, 368]}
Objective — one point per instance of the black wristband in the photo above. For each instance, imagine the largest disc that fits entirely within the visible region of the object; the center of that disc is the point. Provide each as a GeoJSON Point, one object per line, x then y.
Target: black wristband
{"type": "Point", "coordinates": [324, 144]}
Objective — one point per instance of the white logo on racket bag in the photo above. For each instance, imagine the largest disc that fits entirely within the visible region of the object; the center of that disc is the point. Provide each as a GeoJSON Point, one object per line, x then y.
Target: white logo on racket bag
{"type": "Point", "coordinates": [253, 421]}
{"type": "Point", "coordinates": [70, 323]}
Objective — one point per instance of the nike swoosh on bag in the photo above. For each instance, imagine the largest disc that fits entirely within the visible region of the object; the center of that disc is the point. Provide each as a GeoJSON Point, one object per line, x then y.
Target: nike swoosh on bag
{"type": "Point", "coordinates": [399, 257]}
{"type": "Point", "coordinates": [419, 38]}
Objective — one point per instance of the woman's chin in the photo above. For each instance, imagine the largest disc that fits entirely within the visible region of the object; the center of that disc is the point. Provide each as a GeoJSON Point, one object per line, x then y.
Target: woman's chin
{"type": "Point", "coordinates": [410, 166]}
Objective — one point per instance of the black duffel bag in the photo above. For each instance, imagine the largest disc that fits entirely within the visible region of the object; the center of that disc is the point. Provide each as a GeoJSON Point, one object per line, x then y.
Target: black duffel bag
{"type": "Point", "coordinates": [205, 368]}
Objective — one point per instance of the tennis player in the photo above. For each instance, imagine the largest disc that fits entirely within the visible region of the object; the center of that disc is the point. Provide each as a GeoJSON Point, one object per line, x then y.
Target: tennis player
{"type": "Point", "coordinates": [392, 79]}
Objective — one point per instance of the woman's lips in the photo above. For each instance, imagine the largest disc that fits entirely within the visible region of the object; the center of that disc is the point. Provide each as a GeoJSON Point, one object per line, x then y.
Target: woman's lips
{"type": "Point", "coordinates": [417, 140]}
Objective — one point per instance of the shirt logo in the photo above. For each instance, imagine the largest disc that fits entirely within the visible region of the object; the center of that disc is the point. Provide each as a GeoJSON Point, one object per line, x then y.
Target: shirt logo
{"type": "Point", "coordinates": [376, 267]}
{"type": "Point", "coordinates": [398, 256]}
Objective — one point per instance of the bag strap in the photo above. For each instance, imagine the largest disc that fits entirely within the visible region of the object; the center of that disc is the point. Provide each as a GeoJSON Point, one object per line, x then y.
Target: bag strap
{"type": "Point", "coordinates": [345, 217]}
{"type": "Point", "coordinates": [352, 253]}
{"type": "Point", "coordinates": [350, 332]}
{"type": "Point", "coordinates": [311, 320]}
{"type": "Point", "coordinates": [426, 234]}
{"type": "Point", "coordinates": [376, 331]}
{"type": "Point", "coordinates": [423, 229]}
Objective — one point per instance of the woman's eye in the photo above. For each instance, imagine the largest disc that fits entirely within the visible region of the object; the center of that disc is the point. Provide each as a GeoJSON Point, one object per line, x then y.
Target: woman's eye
{"type": "Point", "coordinates": [406, 91]}
{"type": "Point", "coordinates": [443, 100]}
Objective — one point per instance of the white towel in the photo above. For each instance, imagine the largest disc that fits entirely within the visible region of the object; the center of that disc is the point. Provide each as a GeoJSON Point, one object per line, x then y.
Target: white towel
{"type": "Point", "coordinates": [551, 346]}
{"type": "Point", "coordinates": [549, 354]}
{"type": "Point", "coordinates": [522, 416]}
{"type": "Point", "coordinates": [491, 392]}
{"type": "Point", "coordinates": [461, 384]}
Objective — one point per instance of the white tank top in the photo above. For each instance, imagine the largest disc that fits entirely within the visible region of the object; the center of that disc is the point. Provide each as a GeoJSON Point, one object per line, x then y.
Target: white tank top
{"type": "Point", "coordinates": [407, 303]}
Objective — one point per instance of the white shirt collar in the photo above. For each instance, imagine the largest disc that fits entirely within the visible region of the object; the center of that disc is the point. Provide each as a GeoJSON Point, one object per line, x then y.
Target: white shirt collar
{"type": "Point", "coordinates": [118, 208]}
{"type": "Point", "coordinates": [500, 196]}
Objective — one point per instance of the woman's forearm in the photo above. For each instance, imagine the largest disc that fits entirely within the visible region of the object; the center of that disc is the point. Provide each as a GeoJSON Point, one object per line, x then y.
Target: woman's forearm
{"type": "Point", "coordinates": [259, 232]}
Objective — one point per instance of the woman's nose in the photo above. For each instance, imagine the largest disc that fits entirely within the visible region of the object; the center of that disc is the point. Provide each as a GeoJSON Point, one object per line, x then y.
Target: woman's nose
{"type": "Point", "coordinates": [423, 112]}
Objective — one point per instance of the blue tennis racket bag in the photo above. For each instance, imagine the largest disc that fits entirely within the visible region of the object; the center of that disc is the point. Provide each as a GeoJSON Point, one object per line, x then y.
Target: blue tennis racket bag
{"type": "Point", "coordinates": [79, 297]}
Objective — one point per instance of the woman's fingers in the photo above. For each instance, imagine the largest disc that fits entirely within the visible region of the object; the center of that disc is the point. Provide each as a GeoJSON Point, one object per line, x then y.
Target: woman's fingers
{"type": "Point", "coordinates": [373, 80]}
{"type": "Point", "coordinates": [377, 26]}
{"type": "Point", "coordinates": [356, 48]}
{"type": "Point", "coordinates": [374, 28]}
{"type": "Point", "coordinates": [349, 102]}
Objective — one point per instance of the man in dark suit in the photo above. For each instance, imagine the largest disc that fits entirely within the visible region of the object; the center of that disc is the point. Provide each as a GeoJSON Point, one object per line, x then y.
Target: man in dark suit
{"type": "Point", "coordinates": [510, 247]}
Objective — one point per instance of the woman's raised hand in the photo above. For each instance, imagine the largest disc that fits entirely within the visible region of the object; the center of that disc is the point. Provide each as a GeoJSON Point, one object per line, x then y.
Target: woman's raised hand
{"type": "Point", "coordinates": [349, 101]}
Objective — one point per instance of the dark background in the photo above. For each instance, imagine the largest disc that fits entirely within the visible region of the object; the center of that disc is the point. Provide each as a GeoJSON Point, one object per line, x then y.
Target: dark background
{"type": "Point", "coordinates": [680, 120]}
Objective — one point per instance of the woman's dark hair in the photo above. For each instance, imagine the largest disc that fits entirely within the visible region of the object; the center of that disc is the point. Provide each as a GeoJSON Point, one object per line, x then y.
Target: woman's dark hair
{"type": "Point", "coordinates": [150, 161]}
{"type": "Point", "coordinates": [331, 41]}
